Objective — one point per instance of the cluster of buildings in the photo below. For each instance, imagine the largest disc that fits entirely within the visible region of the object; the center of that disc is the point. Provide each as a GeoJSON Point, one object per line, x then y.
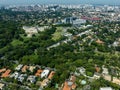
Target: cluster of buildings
{"type": "Point", "coordinates": [29, 74]}
{"type": "Point", "coordinates": [70, 84]}
{"type": "Point", "coordinates": [74, 21]}
{"type": "Point", "coordinates": [29, 30]}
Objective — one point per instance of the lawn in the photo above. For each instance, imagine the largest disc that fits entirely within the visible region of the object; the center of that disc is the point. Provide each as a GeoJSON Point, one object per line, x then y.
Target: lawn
{"type": "Point", "coordinates": [16, 42]}
{"type": "Point", "coordinates": [58, 34]}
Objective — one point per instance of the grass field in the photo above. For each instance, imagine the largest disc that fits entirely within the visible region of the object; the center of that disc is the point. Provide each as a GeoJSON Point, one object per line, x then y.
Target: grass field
{"type": "Point", "coordinates": [16, 42]}
{"type": "Point", "coordinates": [58, 34]}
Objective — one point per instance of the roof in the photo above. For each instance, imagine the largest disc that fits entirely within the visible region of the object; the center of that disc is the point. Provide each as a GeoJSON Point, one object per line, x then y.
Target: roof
{"type": "Point", "coordinates": [44, 82]}
{"type": "Point", "coordinates": [31, 78]}
{"type": "Point", "coordinates": [2, 70]}
{"type": "Point", "coordinates": [31, 68]}
{"type": "Point", "coordinates": [97, 69]}
{"type": "Point", "coordinates": [24, 68]}
{"type": "Point", "coordinates": [106, 88]}
{"type": "Point", "coordinates": [45, 73]}
{"type": "Point", "coordinates": [73, 86]}
{"type": "Point", "coordinates": [73, 78]}
{"type": "Point", "coordinates": [66, 87]}
{"type": "Point", "coordinates": [6, 74]}
{"type": "Point", "coordinates": [51, 75]}
{"type": "Point", "coordinates": [1, 86]}
{"type": "Point", "coordinates": [38, 73]}
{"type": "Point", "coordinates": [99, 41]}
{"type": "Point", "coordinates": [19, 67]}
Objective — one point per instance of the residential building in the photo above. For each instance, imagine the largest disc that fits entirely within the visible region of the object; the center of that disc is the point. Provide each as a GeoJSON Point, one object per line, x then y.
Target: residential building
{"type": "Point", "coordinates": [51, 75]}
{"type": "Point", "coordinates": [22, 77]}
{"type": "Point", "coordinates": [6, 74]}
{"type": "Point", "coordinates": [45, 73]}
{"type": "Point", "coordinates": [31, 79]}
{"type": "Point", "coordinates": [19, 67]}
{"type": "Point", "coordinates": [2, 86]}
{"type": "Point", "coordinates": [38, 73]}
{"type": "Point", "coordinates": [24, 69]}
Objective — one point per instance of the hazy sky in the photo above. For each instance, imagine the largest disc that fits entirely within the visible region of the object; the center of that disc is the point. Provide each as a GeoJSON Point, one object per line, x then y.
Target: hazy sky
{"type": "Point", "coordinates": [12, 2]}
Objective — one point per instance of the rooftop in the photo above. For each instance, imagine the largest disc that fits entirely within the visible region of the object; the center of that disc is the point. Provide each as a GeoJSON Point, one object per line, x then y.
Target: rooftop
{"type": "Point", "coordinates": [38, 73]}
{"type": "Point", "coordinates": [6, 74]}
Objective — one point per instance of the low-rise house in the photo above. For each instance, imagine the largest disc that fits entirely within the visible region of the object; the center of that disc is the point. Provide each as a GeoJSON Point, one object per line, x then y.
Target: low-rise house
{"type": "Point", "coordinates": [107, 77]}
{"type": "Point", "coordinates": [96, 75]}
{"type": "Point", "coordinates": [2, 70]}
{"type": "Point", "coordinates": [116, 80]}
{"type": "Point", "coordinates": [81, 70]}
{"type": "Point", "coordinates": [2, 86]}
{"type": "Point", "coordinates": [31, 79]}
{"type": "Point", "coordinates": [31, 68]}
{"type": "Point", "coordinates": [99, 41]}
{"type": "Point", "coordinates": [45, 73]}
{"type": "Point", "coordinates": [24, 69]}
{"type": "Point", "coordinates": [97, 69]}
{"type": "Point", "coordinates": [19, 67]}
{"type": "Point", "coordinates": [38, 73]}
{"type": "Point", "coordinates": [106, 88]}
{"type": "Point", "coordinates": [51, 75]}
{"type": "Point", "coordinates": [105, 71]}
{"type": "Point", "coordinates": [44, 83]}
{"type": "Point", "coordinates": [22, 77]}
{"type": "Point", "coordinates": [14, 75]}
{"type": "Point", "coordinates": [70, 84]}
{"type": "Point", "coordinates": [6, 74]}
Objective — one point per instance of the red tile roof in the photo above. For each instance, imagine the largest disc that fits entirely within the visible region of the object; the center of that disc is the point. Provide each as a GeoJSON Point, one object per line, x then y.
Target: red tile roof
{"type": "Point", "coordinates": [6, 74]}
{"type": "Point", "coordinates": [66, 87]}
{"type": "Point", "coordinates": [38, 73]}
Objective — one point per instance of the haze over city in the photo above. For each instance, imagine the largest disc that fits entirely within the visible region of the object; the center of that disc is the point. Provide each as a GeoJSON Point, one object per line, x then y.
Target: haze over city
{"type": "Point", "coordinates": [24, 2]}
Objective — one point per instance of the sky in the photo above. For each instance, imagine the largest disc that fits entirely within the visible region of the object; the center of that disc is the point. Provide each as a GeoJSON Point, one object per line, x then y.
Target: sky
{"type": "Point", "coordinates": [28, 2]}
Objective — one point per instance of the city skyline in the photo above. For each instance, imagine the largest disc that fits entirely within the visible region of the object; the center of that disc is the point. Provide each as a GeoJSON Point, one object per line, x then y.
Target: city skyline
{"type": "Point", "coordinates": [28, 2]}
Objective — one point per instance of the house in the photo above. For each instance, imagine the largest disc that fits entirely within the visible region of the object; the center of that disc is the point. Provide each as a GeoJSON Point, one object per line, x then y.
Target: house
{"type": "Point", "coordinates": [38, 73]}
{"type": "Point", "coordinates": [31, 68]}
{"type": "Point", "coordinates": [116, 80]}
{"type": "Point", "coordinates": [31, 79]}
{"type": "Point", "coordinates": [2, 86]}
{"type": "Point", "coordinates": [70, 83]}
{"type": "Point", "coordinates": [105, 70]}
{"type": "Point", "coordinates": [106, 88]}
{"type": "Point", "coordinates": [6, 74]}
{"type": "Point", "coordinates": [51, 75]}
{"type": "Point", "coordinates": [81, 70]}
{"type": "Point", "coordinates": [99, 41]}
{"type": "Point", "coordinates": [45, 73]}
{"type": "Point", "coordinates": [2, 70]}
{"type": "Point", "coordinates": [96, 75]}
{"type": "Point", "coordinates": [66, 87]}
{"type": "Point", "coordinates": [19, 67]}
{"type": "Point", "coordinates": [44, 83]}
{"type": "Point", "coordinates": [107, 77]}
{"type": "Point", "coordinates": [15, 75]}
{"type": "Point", "coordinates": [24, 69]}
{"type": "Point", "coordinates": [97, 69]}
{"type": "Point", "coordinates": [22, 77]}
